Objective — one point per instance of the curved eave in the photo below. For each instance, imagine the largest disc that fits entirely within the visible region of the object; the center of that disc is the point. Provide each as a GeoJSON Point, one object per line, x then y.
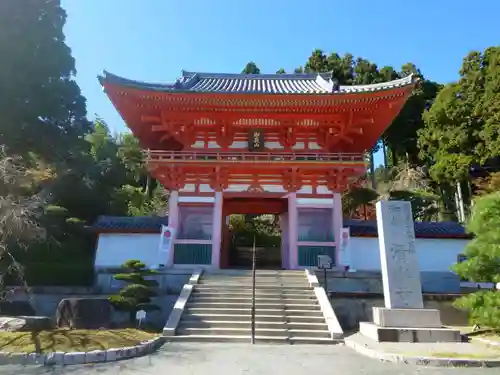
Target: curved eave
{"type": "Point", "coordinates": [109, 79]}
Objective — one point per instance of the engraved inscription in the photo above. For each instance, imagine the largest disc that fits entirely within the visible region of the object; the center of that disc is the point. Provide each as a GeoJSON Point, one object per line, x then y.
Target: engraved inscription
{"type": "Point", "coordinates": [398, 256]}
{"type": "Point", "coordinates": [256, 140]}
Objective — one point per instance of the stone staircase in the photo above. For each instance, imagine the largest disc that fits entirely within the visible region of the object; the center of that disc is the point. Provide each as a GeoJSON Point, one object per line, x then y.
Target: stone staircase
{"type": "Point", "coordinates": [219, 309]}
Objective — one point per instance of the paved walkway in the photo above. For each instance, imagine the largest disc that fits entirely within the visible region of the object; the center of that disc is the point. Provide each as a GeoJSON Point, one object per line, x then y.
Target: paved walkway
{"type": "Point", "coordinates": [235, 359]}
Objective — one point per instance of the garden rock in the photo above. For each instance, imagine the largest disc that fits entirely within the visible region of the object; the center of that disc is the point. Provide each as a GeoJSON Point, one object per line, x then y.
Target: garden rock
{"type": "Point", "coordinates": [25, 323]}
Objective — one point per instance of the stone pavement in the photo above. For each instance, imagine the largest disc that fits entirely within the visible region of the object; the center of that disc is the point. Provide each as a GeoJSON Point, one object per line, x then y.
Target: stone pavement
{"type": "Point", "coordinates": [235, 359]}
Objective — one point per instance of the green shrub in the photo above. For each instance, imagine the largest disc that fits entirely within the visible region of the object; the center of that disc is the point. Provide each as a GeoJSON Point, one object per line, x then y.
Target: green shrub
{"type": "Point", "coordinates": [482, 262]}
{"type": "Point", "coordinates": [137, 294]}
{"type": "Point", "coordinates": [56, 274]}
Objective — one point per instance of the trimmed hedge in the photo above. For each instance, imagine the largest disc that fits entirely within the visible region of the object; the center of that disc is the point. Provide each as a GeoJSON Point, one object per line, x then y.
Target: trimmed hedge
{"type": "Point", "coordinates": [56, 274]}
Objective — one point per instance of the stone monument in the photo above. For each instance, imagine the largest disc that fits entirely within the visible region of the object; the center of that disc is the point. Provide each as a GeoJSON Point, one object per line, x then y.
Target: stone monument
{"type": "Point", "coordinates": [403, 318]}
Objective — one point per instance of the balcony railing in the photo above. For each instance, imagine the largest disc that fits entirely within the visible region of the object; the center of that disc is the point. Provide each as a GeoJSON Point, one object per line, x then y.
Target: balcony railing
{"type": "Point", "coordinates": [251, 157]}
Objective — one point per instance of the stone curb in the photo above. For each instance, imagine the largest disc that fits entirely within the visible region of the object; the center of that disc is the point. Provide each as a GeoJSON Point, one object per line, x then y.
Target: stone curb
{"type": "Point", "coordinates": [420, 361]}
{"type": "Point", "coordinates": [79, 358]}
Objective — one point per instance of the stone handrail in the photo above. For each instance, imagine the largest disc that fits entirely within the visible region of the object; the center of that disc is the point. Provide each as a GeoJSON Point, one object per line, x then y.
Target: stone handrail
{"type": "Point", "coordinates": [331, 320]}
{"type": "Point", "coordinates": [175, 316]}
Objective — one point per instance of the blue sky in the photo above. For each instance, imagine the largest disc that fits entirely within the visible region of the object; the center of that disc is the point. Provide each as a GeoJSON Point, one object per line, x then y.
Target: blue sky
{"type": "Point", "coordinates": [152, 40]}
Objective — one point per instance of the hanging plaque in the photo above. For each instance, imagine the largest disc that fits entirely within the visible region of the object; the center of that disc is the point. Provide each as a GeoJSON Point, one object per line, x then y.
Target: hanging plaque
{"type": "Point", "coordinates": [256, 140]}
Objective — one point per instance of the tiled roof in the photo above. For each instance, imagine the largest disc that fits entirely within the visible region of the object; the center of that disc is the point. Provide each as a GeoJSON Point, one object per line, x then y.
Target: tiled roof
{"type": "Point", "coordinates": [298, 83]}
{"type": "Point", "coordinates": [426, 229]}
{"type": "Point", "coordinates": [129, 223]}
{"type": "Point", "coordinates": [359, 228]}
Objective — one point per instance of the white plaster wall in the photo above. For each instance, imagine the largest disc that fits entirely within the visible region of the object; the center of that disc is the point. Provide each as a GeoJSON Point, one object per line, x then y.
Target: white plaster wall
{"type": "Point", "coordinates": [113, 249]}
{"type": "Point", "coordinates": [434, 254]}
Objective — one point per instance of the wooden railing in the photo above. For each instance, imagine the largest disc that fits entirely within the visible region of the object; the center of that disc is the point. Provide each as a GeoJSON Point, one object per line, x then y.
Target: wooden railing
{"type": "Point", "coordinates": [251, 157]}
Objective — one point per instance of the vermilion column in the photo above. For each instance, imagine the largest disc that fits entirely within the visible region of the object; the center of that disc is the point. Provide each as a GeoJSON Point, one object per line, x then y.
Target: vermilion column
{"type": "Point", "coordinates": [337, 225]}
{"type": "Point", "coordinates": [293, 254]}
{"type": "Point", "coordinates": [173, 221]}
{"type": "Point", "coordinates": [285, 255]}
{"type": "Point", "coordinates": [217, 230]}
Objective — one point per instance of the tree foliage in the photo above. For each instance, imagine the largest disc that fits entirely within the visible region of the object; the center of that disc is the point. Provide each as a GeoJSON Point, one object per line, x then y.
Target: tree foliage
{"type": "Point", "coordinates": [251, 68]}
{"type": "Point", "coordinates": [489, 184]}
{"type": "Point", "coordinates": [137, 294]}
{"type": "Point", "coordinates": [52, 155]}
{"type": "Point", "coordinates": [20, 210]}
{"type": "Point", "coordinates": [41, 107]}
{"type": "Point", "coordinates": [482, 262]}
{"type": "Point", "coordinates": [462, 126]}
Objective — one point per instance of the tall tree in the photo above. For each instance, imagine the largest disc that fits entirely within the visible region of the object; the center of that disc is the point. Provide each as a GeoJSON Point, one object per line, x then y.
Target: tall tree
{"type": "Point", "coordinates": [251, 68]}
{"type": "Point", "coordinates": [461, 128]}
{"type": "Point", "coordinates": [41, 107]}
{"type": "Point", "coordinates": [317, 62]}
{"type": "Point", "coordinates": [402, 135]}
{"type": "Point", "coordinates": [280, 71]}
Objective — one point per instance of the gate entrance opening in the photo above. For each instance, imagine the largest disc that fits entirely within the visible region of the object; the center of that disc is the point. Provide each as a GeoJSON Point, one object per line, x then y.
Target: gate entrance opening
{"type": "Point", "coordinates": [246, 219]}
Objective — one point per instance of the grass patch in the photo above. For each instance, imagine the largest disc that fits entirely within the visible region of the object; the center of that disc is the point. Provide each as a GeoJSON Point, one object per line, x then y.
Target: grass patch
{"type": "Point", "coordinates": [490, 336]}
{"type": "Point", "coordinates": [65, 340]}
{"type": "Point", "coordinates": [464, 355]}
{"type": "Point", "coordinates": [453, 355]}
{"type": "Point", "coordinates": [485, 333]}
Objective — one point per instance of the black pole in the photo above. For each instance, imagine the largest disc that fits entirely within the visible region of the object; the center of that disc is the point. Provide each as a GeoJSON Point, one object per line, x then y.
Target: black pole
{"type": "Point", "coordinates": [253, 294]}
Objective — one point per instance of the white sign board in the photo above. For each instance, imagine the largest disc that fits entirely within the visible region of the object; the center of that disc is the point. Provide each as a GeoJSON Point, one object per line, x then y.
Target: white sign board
{"type": "Point", "coordinates": [140, 316]}
{"type": "Point", "coordinates": [324, 262]}
{"type": "Point", "coordinates": [166, 242]}
{"type": "Point", "coordinates": [398, 255]}
{"type": "Point", "coordinates": [344, 250]}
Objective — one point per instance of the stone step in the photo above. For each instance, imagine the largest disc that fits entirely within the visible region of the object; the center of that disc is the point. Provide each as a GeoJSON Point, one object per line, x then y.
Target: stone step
{"type": "Point", "coordinates": [220, 315]}
{"type": "Point", "coordinates": [196, 323]}
{"type": "Point", "coordinates": [249, 284]}
{"type": "Point", "coordinates": [260, 285]}
{"type": "Point", "coordinates": [309, 333]}
{"type": "Point", "coordinates": [258, 339]}
{"type": "Point", "coordinates": [248, 305]}
{"type": "Point", "coordinates": [235, 294]}
{"type": "Point", "coordinates": [231, 332]}
{"type": "Point", "coordinates": [248, 292]}
{"type": "Point", "coordinates": [238, 331]}
{"type": "Point", "coordinates": [314, 340]}
{"type": "Point", "coordinates": [259, 288]}
{"type": "Point", "coordinates": [260, 311]}
{"type": "Point", "coordinates": [201, 298]}
{"type": "Point", "coordinates": [257, 276]}
{"type": "Point", "coordinates": [249, 272]}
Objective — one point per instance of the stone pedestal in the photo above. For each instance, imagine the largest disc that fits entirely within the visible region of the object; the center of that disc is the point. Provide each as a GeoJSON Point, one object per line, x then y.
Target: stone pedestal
{"type": "Point", "coordinates": [409, 334]}
{"type": "Point", "coordinates": [403, 319]}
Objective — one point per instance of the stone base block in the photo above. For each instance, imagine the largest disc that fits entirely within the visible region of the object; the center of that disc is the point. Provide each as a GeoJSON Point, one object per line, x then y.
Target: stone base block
{"type": "Point", "coordinates": [414, 318]}
{"type": "Point", "coordinates": [404, 334]}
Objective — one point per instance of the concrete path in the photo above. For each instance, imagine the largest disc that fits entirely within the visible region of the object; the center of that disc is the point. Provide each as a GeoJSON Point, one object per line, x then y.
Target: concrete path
{"type": "Point", "coordinates": [235, 359]}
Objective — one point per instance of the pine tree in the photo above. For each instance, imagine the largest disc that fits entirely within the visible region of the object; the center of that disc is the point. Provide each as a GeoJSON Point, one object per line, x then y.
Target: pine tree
{"type": "Point", "coordinates": [137, 295]}
{"type": "Point", "coordinates": [483, 262]}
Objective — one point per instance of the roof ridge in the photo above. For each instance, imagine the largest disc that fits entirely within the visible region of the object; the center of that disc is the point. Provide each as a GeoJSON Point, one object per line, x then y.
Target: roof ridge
{"type": "Point", "coordinates": [205, 75]}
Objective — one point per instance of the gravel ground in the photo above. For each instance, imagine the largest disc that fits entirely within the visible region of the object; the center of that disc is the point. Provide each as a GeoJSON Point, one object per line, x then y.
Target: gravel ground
{"type": "Point", "coordinates": [234, 359]}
